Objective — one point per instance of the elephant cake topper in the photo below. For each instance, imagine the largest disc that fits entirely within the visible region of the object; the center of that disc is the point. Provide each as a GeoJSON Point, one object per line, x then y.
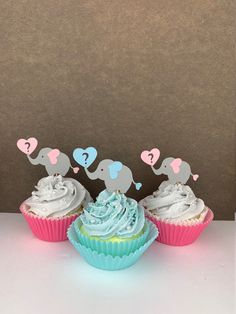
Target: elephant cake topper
{"type": "Point", "coordinates": [177, 170]}
{"type": "Point", "coordinates": [54, 161]}
{"type": "Point", "coordinates": [116, 176]}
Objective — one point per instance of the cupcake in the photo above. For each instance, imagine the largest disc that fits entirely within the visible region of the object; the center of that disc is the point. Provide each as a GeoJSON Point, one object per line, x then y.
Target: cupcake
{"type": "Point", "coordinates": [53, 206]}
{"type": "Point", "coordinates": [179, 215]}
{"type": "Point", "coordinates": [112, 233]}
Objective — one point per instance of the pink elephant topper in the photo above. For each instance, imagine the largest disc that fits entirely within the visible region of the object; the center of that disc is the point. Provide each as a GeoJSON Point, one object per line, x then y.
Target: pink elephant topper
{"type": "Point", "coordinates": [54, 161]}
{"type": "Point", "coordinates": [177, 170]}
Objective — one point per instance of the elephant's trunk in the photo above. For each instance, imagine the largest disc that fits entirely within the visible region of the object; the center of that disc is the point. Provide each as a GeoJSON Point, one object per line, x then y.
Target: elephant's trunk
{"type": "Point", "coordinates": [156, 171]}
{"type": "Point", "coordinates": [33, 161]}
{"type": "Point", "coordinates": [91, 175]}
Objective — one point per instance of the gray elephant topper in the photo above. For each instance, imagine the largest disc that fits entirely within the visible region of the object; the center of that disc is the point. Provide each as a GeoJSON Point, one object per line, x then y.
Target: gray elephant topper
{"type": "Point", "coordinates": [116, 176]}
{"type": "Point", "coordinates": [177, 170]}
{"type": "Point", "coordinates": [55, 162]}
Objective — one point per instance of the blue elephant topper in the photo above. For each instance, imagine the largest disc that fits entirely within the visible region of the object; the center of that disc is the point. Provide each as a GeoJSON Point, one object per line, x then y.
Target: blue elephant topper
{"type": "Point", "coordinates": [116, 176]}
{"type": "Point", "coordinates": [55, 162]}
{"type": "Point", "coordinates": [177, 170]}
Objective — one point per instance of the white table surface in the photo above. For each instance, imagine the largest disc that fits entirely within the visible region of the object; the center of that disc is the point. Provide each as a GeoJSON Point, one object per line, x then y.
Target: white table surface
{"type": "Point", "coordinates": [39, 277]}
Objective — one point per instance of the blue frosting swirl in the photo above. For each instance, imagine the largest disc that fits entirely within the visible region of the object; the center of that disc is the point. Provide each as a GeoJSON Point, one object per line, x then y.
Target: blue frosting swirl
{"type": "Point", "coordinates": [113, 214]}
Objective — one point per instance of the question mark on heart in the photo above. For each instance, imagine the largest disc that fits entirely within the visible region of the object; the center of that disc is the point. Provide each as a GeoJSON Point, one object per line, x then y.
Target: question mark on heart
{"type": "Point", "coordinates": [28, 146]}
{"type": "Point", "coordinates": [151, 157]}
{"type": "Point", "coordinates": [86, 157]}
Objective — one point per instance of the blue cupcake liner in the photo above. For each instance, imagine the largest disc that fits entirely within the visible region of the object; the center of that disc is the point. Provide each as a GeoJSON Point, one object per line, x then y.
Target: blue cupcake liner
{"type": "Point", "coordinates": [110, 248]}
{"type": "Point", "coordinates": [109, 262]}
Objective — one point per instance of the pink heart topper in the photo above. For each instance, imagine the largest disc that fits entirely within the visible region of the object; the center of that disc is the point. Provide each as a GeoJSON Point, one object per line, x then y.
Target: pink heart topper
{"type": "Point", "coordinates": [150, 157]}
{"type": "Point", "coordinates": [175, 164]}
{"type": "Point", "coordinates": [27, 146]}
{"type": "Point", "coordinates": [76, 169]}
{"type": "Point", "coordinates": [195, 177]}
{"type": "Point", "coordinates": [53, 154]}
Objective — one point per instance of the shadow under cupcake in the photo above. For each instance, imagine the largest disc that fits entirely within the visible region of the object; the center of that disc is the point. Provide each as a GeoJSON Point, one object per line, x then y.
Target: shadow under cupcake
{"type": "Point", "coordinates": [112, 233]}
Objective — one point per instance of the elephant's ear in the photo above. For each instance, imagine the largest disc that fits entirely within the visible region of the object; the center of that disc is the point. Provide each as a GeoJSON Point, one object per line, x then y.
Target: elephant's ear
{"type": "Point", "coordinates": [175, 165]}
{"type": "Point", "coordinates": [52, 155]}
{"type": "Point", "coordinates": [114, 169]}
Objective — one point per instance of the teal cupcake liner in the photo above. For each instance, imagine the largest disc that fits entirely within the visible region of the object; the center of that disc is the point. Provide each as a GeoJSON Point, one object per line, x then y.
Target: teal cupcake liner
{"type": "Point", "coordinates": [110, 248]}
{"type": "Point", "coordinates": [109, 262]}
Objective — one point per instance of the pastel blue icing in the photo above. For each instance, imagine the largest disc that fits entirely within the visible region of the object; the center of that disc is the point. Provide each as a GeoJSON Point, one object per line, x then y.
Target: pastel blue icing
{"type": "Point", "coordinates": [113, 214]}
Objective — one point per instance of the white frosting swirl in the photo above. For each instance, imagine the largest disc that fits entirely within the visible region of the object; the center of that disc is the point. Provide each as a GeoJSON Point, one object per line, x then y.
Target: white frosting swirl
{"type": "Point", "coordinates": [56, 196]}
{"type": "Point", "coordinates": [175, 202]}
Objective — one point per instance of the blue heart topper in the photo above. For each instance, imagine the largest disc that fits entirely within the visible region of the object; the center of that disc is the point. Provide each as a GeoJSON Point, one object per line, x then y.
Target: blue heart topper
{"type": "Point", "coordinates": [85, 157]}
{"type": "Point", "coordinates": [114, 169]}
{"type": "Point", "coordinates": [138, 186]}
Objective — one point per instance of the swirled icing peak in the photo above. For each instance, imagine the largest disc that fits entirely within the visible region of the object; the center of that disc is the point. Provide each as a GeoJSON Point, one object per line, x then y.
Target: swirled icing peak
{"type": "Point", "coordinates": [174, 201]}
{"type": "Point", "coordinates": [56, 196]}
{"type": "Point", "coordinates": [113, 214]}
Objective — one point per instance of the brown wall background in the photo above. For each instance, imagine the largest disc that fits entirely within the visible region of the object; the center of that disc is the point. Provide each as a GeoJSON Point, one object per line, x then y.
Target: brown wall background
{"type": "Point", "coordinates": [122, 76]}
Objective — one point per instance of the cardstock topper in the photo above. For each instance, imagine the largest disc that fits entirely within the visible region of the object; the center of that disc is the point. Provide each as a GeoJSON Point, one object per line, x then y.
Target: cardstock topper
{"type": "Point", "coordinates": [177, 170]}
{"type": "Point", "coordinates": [54, 161]}
{"type": "Point", "coordinates": [116, 176]}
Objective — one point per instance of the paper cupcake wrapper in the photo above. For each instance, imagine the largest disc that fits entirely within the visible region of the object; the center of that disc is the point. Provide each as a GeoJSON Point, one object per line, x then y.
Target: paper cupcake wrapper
{"type": "Point", "coordinates": [48, 229]}
{"type": "Point", "coordinates": [109, 262]}
{"type": "Point", "coordinates": [110, 248]}
{"type": "Point", "coordinates": [178, 235]}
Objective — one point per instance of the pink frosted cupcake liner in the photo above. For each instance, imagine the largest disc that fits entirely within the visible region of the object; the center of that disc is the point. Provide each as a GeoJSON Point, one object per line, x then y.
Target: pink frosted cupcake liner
{"type": "Point", "coordinates": [178, 235]}
{"type": "Point", "coordinates": [48, 229]}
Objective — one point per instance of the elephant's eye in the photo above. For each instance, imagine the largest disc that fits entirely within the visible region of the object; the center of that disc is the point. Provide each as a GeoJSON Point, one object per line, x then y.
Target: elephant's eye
{"type": "Point", "coordinates": [101, 169]}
